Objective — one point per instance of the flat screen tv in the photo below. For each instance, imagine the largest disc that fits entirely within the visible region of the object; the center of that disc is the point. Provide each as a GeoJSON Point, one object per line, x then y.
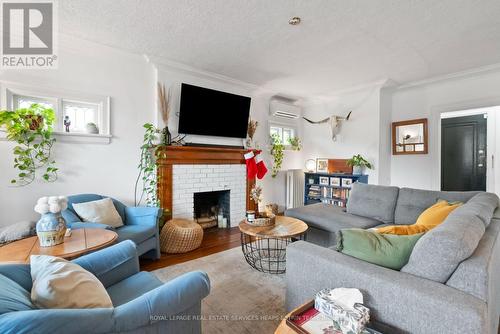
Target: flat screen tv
{"type": "Point", "coordinates": [210, 112]}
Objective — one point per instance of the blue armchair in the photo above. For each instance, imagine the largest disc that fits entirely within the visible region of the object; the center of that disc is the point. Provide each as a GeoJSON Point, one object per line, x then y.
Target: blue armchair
{"type": "Point", "coordinates": [142, 303]}
{"type": "Point", "coordinates": [140, 223]}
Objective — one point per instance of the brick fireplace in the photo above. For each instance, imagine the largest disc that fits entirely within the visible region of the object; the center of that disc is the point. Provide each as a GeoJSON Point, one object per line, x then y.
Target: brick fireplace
{"type": "Point", "coordinates": [187, 172]}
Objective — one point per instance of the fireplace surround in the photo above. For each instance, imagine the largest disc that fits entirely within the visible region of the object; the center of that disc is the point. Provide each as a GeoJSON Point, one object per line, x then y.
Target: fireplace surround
{"type": "Point", "coordinates": [184, 171]}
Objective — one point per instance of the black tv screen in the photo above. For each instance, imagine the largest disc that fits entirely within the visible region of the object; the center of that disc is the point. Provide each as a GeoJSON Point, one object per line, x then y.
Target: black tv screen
{"type": "Point", "coordinates": [210, 112]}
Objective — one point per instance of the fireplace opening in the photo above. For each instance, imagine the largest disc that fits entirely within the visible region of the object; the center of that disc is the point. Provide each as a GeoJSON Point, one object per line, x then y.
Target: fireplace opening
{"type": "Point", "coordinates": [212, 209]}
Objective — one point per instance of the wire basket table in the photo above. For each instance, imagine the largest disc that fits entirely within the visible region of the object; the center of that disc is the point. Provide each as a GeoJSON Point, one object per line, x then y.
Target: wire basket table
{"type": "Point", "coordinates": [264, 247]}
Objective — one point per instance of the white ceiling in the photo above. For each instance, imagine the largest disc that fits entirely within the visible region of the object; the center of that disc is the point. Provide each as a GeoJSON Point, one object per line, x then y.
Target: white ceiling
{"type": "Point", "coordinates": [339, 44]}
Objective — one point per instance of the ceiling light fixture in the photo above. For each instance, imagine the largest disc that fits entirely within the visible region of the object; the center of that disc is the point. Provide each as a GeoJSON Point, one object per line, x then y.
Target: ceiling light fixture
{"type": "Point", "coordinates": [294, 21]}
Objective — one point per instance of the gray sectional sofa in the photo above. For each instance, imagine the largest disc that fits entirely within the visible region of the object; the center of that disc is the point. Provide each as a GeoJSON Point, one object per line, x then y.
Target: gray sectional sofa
{"type": "Point", "coordinates": [451, 283]}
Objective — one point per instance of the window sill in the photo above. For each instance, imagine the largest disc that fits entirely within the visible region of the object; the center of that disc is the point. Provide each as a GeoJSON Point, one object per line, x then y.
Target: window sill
{"type": "Point", "coordinates": [74, 137]}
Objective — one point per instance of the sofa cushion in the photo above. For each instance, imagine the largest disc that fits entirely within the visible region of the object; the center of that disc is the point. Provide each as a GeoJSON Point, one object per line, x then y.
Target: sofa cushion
{"type": "Point", "coordinates": [58, 283]}
{"type": "Point", "coordinates": [483, 205]}
{"type": "Point", "coordinates": [412, 202]}
{"type": "Point", "coordinates": [372, 201]}
{"type": "Point", "coordinates": [101, 211]}
{"type": "Point", "coordinates": [386, 250]}
{"type": "Point", "coordinates": [329, 217]}
{"type": "Point", "coordinates": [136, 233]}
{"type": "Point", "coordinates": [13, 297]}
{"type": "Point", "coordinates": [476, 274]}
{"type": "Point", "coordinates": [439, 252]}
{"type": "Point", "coordinates": [82, 198]}
{"type": "Point", "coordinates": [132, 287]}
{"type": "Point", "coordinates": [429, 219]}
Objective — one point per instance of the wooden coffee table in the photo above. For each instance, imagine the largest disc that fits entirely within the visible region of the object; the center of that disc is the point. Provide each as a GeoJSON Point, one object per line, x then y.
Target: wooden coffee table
{"type": "Point", "coordinates": [80, 242]}
{"type": "Point", "coordinates": [264, 247]}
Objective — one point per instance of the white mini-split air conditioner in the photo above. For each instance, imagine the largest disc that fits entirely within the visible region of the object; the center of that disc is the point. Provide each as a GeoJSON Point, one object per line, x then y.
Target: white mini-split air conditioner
{"type": "Point", "coordinates": [281, 109]}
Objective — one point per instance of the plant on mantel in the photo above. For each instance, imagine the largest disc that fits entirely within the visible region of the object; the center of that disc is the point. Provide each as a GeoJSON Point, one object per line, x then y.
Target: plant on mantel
{"type": "Point", "coordinates": [278, 151]}
{"type": "Point", "coordinates": [31, 129]}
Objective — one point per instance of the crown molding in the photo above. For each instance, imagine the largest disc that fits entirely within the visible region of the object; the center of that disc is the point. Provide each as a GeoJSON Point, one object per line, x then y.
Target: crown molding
{"type": "Point", "coordinates": [450, 76]}
{"type": "Point", "coordinates": [165, 64]}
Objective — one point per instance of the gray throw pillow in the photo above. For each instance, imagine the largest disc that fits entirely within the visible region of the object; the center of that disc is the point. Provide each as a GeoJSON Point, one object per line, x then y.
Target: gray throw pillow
{"type": "Point", "coordinates": [439, 252]}
{"type": "Point", "coordinates": [372, 201]}
{"type": "Point", "coordinates": [17, 231]}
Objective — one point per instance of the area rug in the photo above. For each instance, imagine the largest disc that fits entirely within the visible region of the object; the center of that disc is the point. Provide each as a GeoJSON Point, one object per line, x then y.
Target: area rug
{"type": "Point", "coordinates": [242, 299]}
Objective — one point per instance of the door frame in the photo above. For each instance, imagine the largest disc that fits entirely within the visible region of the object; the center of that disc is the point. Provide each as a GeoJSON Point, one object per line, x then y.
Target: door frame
{"type": "Point", "coordinates": [493, 113]}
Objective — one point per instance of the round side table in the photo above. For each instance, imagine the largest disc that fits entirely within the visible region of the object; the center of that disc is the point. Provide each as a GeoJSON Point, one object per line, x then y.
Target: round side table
{"type": "Point", "coordinates": [264, 247]}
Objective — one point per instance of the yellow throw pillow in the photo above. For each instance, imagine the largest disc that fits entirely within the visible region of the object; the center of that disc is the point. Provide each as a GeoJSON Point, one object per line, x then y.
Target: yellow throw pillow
{"type": "Point", "coordinates": [58, 283]}
{"type": "Point", "coordinates": [430, 218]}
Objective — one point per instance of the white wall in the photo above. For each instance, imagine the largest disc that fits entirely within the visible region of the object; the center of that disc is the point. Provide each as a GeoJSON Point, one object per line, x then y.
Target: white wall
{"type": "Point", "coordinates": [86, 67]}
{"type": "Point", "coordinates": [429, 101]}
{"type": "Point", "coordinates": [361, 134]}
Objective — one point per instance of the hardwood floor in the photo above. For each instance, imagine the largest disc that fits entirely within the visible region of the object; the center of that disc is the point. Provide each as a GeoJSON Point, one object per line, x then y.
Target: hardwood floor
{"type": "Point", "coordinates": [214, 240]}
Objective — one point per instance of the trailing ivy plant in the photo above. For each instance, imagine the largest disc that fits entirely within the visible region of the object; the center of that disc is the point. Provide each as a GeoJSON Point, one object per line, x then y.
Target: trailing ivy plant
{"type": "Point", "coordinates": [148, 175]}
{"type": "Point", "coordinates": [277, 151]}
{"type": "Point", "coordinates": [295, 143]}
{"type": "Point", "coordinates": [31, 129]}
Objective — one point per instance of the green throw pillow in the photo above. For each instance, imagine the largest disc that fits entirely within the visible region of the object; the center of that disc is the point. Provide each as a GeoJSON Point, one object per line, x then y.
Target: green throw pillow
{"type": "Point", "coordinates": [386, 250]}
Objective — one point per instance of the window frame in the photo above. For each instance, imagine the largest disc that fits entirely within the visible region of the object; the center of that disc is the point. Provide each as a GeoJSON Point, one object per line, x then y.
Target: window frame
{"type": "Point", "coordinates": [283, 126]}
{"type": "Point", "coordinates": [55, 96]}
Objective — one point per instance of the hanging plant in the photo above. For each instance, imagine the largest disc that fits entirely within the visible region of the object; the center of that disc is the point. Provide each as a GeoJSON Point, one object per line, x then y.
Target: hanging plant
{"type": "Point", "coordinates": [31, 129]}
{"type": "Point", "coordinates": [147, 168]}
{"type": "Point", "coordinates": [277, 152]}
{"type": "Point", "coordinates": [295, 144]}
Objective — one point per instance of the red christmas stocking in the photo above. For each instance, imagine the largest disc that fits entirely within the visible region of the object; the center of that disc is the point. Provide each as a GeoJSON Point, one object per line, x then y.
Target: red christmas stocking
{"type": "Point", "coordinates": [251, 166]}
{"type": "Point", "coordinates": [261, 166]}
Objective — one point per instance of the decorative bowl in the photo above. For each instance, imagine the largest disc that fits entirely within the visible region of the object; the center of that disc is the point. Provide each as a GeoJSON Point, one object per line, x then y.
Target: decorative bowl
{"type": "Point", "coordinates": [263, 219]}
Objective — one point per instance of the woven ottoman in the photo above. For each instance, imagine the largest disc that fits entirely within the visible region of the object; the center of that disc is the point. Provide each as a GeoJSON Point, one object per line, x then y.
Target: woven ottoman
{"type": "Point", "coordinates": [180, 236]}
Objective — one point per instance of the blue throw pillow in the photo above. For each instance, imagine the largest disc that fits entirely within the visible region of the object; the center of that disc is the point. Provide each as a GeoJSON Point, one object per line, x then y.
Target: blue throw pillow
{"type": "Point", "coordinates": [13, 297]}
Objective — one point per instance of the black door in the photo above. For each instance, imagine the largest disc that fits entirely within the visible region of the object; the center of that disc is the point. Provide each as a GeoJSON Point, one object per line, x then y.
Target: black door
{"type": "Point", "coordinates": [463, 153]}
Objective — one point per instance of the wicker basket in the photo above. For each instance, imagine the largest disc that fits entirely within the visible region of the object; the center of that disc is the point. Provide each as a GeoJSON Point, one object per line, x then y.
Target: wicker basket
{"type": "Point", "coordinates": [180, 236]}
{"type": "Point", "coordinates": [263, 219]}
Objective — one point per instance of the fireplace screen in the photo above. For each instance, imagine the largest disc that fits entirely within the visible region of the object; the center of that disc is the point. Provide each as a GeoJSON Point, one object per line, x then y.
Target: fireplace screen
{"type": "Point", "coordinates": [211, 208]}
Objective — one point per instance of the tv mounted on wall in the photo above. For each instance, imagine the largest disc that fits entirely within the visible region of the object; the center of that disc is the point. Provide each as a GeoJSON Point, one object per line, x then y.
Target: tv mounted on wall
{"type": "Point", "coordinates": [210, 112]}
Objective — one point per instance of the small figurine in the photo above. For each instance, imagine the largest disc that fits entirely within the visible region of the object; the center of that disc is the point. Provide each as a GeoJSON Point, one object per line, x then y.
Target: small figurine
{"type": "Point", "coordinates": [67, 123]}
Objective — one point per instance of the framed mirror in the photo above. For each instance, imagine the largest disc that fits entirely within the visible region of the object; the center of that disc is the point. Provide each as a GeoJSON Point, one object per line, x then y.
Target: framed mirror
{"type": "Point", "coordinates": [410, 137]}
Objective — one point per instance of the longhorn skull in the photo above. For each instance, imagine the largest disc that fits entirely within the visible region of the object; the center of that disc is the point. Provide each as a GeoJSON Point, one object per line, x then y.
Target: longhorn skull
{"type": "Point", "coordinates": [335, 123]}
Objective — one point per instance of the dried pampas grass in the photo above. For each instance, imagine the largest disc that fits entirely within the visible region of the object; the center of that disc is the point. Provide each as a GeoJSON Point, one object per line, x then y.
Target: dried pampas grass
{"type": "Point", "coordinates": [164, 102]}
{"type": "Point", "coordinates": [252, 127]}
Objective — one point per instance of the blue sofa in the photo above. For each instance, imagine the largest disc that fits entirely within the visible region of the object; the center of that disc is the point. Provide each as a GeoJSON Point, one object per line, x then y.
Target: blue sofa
{"type": "Point", "coordinates": [142, 303]}
{"type": "Point", "coordinates": [140, 223]}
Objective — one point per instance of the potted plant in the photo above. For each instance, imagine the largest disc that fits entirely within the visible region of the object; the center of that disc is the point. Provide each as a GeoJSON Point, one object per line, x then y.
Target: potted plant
{"type": "Point", "coordinates": [31, 129]}
{"type": "Point", "coordinates": [358, 164]}
{"type": "Point", "coordinates": [278, 151]}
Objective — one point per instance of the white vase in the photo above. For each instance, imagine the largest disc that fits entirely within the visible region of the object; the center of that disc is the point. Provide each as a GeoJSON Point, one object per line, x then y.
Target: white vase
{"type": "Point", "coordinates": [358, 170]}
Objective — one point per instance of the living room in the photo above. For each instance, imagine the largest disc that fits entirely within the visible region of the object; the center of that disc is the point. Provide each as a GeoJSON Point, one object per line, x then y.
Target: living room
{"type": "Point", "coordinates": [250, 167]}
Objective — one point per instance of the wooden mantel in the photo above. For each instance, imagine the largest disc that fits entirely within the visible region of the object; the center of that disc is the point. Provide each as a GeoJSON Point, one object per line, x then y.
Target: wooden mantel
{"type": "Point", "coordinates": [190, 155]}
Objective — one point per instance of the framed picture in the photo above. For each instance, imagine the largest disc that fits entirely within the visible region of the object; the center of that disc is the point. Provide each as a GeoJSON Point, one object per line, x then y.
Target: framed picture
{"type": "Point", "coordinates": [335, 181]}
{"type": "Point", "coordinates": [321, 165]}
{"type": "Point", "coordinates": [346, 182]}
{"type": "Point", "coordinates": [410, 137]}
{"type": "Point", "coordinates": [323, 180]}
{"type": "Point", "coordinates": [310, 180]}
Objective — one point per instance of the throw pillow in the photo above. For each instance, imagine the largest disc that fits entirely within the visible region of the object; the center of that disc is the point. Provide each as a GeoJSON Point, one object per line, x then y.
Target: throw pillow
{"type": "Point", "coordinates": [13, 297]}
{"type": "Point", "coordinates": [58, 283]}
{"type": "Point", "coordinates": [386, 250]}
{"type": "Point", "coordinates": [430, 218]}
{"type": "Point", "coordinates": [101, 211]}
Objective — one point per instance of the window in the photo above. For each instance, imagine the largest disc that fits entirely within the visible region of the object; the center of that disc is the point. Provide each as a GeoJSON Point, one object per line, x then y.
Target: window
{"type": "Point", "coordinates": [21, 101]}
{"type": "Point", "coordinates": [79, 110]}
{"type": "Point", "coordinates": [284, 133]}
{"type": "Point", "coordinates": [79, 114]}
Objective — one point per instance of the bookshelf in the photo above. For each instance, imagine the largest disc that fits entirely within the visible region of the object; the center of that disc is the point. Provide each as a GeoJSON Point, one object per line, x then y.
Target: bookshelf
{"type": "Point", "coordinates": [330, 188]}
